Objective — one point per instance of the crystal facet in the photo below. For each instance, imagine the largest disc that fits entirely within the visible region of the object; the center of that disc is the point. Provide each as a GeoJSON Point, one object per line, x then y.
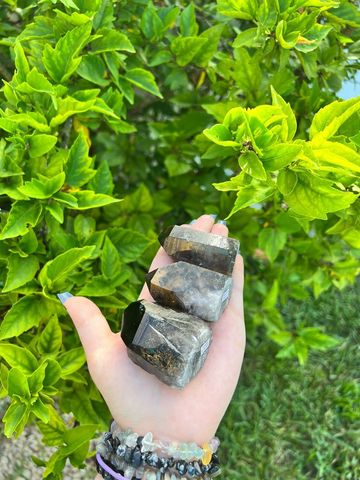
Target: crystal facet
{"type": "Point", "coordinates": [171, 345]}
{"type": "Point", "coordinates": [207, 250]}
{"type": "Point", "coordinates": [191, 289]}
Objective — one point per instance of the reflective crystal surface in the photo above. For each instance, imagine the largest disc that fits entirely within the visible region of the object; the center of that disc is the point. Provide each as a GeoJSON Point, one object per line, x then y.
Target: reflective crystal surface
{"type": "Point", "coordinates": [171, 345]}
{"type": "Point", "coordinates": [191, 289]}
{"type": "Point", "coordinates": [207, 250]}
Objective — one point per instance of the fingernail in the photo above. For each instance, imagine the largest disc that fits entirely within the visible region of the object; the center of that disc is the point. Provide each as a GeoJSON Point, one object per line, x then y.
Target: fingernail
{"type": "Point", "coordinates": [213, 215]}
{"type": "Point", "coordinates": [192, 221]}
{"type": "Point", "coordinates": [64, 296]}
{"type": "Point", "coordinates": [221, 222]}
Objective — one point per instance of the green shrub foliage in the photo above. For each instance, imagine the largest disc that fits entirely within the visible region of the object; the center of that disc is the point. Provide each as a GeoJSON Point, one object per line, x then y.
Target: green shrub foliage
{"type": "Point", "coordinates": [120, 117]}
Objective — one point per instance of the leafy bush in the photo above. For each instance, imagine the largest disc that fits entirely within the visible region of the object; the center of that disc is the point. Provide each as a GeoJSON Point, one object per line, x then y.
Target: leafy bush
{"type": "Point", "coordinates": [118, 118]}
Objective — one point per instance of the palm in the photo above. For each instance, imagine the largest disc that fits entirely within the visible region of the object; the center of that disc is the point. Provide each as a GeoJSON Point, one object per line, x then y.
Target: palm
{"type": "Point", "coordinates": [139, 400]}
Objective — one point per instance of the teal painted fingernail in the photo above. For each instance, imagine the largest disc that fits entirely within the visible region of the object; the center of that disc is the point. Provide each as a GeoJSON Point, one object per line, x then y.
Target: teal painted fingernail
{"type": "Point", "coordinates": [192, 221]}
{"type": "Point", "coordinates": [64, 296]}
{"type": "Point", "coordinates": [221, 222]}
{"type": "Point", "coordinates": [213, 215]}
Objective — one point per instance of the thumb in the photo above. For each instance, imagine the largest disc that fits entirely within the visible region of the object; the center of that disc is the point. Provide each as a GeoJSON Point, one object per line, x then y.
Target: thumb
{"type": "Point", "coordinates": [90, 323]}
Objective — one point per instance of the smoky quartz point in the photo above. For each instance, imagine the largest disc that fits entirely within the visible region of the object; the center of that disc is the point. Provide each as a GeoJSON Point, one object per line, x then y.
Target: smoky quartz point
{"type": "Point", "coordinates": [191, 289]}
{"type": "Point", "coordinates": [171, 345]}
{"type": "Point", "coordinates": [207, 250]}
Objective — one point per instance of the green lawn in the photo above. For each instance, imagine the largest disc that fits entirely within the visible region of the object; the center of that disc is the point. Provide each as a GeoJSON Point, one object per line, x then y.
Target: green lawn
{"type": "Point", "coordinates": [288, 422]}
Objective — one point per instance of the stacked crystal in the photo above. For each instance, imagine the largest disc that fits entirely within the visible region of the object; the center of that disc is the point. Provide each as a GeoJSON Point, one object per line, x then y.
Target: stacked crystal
{"type": "Point", "coordinates": [171, 338]}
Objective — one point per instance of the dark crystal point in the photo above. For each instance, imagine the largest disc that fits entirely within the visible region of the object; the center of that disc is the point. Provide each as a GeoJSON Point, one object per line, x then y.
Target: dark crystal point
{"type": "Point", "coordinates": [207, 250]}
{"type": "Point", "coordinates": [171, 345]}
{"type": "Point", "coordinates": [191, 289]}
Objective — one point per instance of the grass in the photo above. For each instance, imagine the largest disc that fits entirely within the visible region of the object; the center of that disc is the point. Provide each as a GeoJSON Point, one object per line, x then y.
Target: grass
{"type": "Point", "coordinates": [288, 422]}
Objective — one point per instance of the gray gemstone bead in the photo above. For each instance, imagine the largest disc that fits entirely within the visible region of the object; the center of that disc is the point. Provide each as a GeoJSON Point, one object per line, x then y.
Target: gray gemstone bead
{"type": "Point", "coordinates": [191, 289]}
{"type": "Point", "coordinates": [171, 345]}
{"type": "Point", "coordinates": [207, 250]}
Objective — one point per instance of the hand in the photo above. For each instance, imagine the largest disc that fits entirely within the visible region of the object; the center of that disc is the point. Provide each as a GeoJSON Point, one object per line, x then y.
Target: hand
{"type": "Point", "coordinates": [137, 399]}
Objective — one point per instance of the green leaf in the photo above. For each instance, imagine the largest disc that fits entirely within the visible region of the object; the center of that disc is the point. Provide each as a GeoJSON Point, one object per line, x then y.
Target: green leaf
{"type": "Point", "coordinates": [84, 226]}
{"type": "Point", "coordinates": [244, 9]}
{"type": "Point", "coordinates": [17, 384]}
{"type": "Point", "coordinates": [78, 166]}
{"type": "Point", "coordinates": [50, 339]}
{"type": "Point", "coordinates": [272, 241]}
{"type": "Point", "coordinates": [14, 417]}
{"type": "Point", "coordinates": [97, 286]}
{"type": "Point", "coordinates": [71, 361]}
{"type": "Point", "coordinates": [18, 357]}
{"type": "Point", "coordinates": [23, 214]}
{"type": "Point", "coordinates": [40, 410]}
{"type": "Point", "coordinates": [54, 430]}
{"type": "Point", "coordinates": [36, 379]}
{"type": "Point", "coordinates": [88, 199]}
{"type": "Point", "coordinates": [61, 62]}
{"type": "Point", "coordinates": [110, 259]}
{"type": "Point", "coordinates": [69, 4]}
{"type": "Point", "coordinates": [280, 155]}
{"type": "Point", "coordinates": [43, 187]}
{"type": "Point", "coordinates": [333, 154]}
{"type": "Point", "coordinates": [82, 407]}
{"type": "Point", "coordinates": [21, 63]}
{"type": "Point", "coordinates": [26, 313]}
{"type": "Point", "coordinates": [313, 38]}
{"type": "Point", "coordinates": [188, 24]}
{"type": "Point", "coordinates": [69, 106]}
{"type": "Point", "coordinates": [221, 135]}
{"type": "Point", "coordinates": [208, 50]}
{"type": "Point", "coordinates": [111, 40]}
{"type": "Point", "coordinates": [301, 350]}
{"type": "Point", "coordinates": [138, 201]}
{"type": "Point", "coordinates": [252, 165]}
{"type": "Point", "coordinates": [20, 271]}
{"type": "Point", "coordinates": [185, 48]}
{"type": "Point", "coordinates": [143, 79]}
{"type": "Point", "coordinates": [102, 182]}
{"type": "Point", "coordinates": [55, 271]}
{"type": "Point", "coordinates": [247, 195]}
{"type": "Point", "coordinates": [288, 351]}
{"type": "Point", "coordinates": [93, 69]}
{"type": "Point", "coordinates": [151, 24]}
{"type": "Point", "coordinates": [175, 167]}
{"type": "Point", "coordinates": [272, 295]}
{"type": "Point", "coordinates": [34, 120]}
{"type": "Point", "coordinates": [314, 338]}
{"type": "Point", "coordinates": [56, 211]}
{"type": "Point", "coordinates": [36, 83]}
{"type": "Point", "coordinates": [130, 245]}
{"type": "Point", "coordinates": [287, 39]}
{"type": "Point", "coordinates": [311, 196]}
{"type": "Point", "coordinates": [41, 144]}
{"type": "Point", "coordinates": [281, 337]}
{"type": "Point", "coordinates": [328, 120]}
{"type": "Point", "coordinates": [248, 79]}
{"type": "Point", "coordinates": [52, 372]}
{"type": "Point", "coordinates": [289, 125]}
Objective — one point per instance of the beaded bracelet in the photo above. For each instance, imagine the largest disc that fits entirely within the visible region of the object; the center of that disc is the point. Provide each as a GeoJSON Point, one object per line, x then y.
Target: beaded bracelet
{"type": "Point", "coordinates": [109, 472]}
{"type": "Point", "coordinates": [182, 451]}
{"type": "Point", "coordinates": [131, 454]}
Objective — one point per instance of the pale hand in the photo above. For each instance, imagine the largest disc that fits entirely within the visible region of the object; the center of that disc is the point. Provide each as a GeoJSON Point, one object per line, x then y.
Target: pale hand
{"type": "Point", "coordinates": [140, 401]}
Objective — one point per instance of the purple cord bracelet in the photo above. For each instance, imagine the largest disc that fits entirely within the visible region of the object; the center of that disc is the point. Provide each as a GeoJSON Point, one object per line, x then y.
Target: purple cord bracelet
{"type": "Point", "coordinates": [102, 464]}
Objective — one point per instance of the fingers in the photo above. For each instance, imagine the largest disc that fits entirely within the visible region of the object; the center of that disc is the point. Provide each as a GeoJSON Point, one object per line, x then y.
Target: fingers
{"type": "Point", "coordinates": [91, 325]}
{"type": "Point", "coordinates": [238, 275]}
{"type": "Point", "coordinates": [220, 229]}
{"type": "Point", "coordinates": [203, 223]}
